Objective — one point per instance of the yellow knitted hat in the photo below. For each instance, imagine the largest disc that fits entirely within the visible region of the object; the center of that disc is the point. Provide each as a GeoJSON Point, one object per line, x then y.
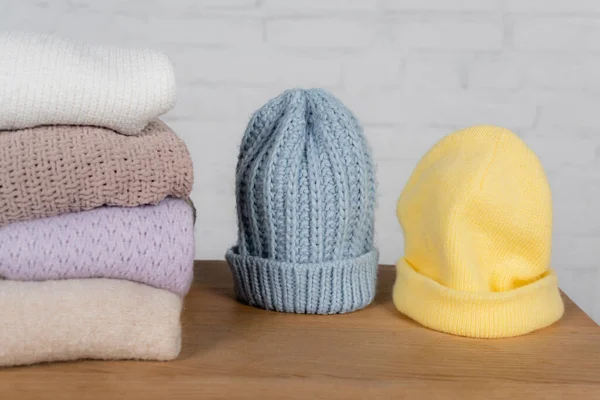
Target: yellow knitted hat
{"type": "Point", "coordinates": [477, 221]}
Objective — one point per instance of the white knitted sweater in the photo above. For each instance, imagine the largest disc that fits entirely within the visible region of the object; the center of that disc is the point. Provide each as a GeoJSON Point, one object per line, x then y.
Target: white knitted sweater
{"type": "Point", "coordinates": [48, 80]}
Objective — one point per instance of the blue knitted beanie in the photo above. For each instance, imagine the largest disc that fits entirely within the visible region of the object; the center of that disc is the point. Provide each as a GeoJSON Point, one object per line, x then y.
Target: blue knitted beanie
{"type": "Point", "coordinates": [305, 192]}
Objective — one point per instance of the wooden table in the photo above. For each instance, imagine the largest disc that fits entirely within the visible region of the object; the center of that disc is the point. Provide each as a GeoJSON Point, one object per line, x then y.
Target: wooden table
{"type": "Point", "coordinates": [232, 351]}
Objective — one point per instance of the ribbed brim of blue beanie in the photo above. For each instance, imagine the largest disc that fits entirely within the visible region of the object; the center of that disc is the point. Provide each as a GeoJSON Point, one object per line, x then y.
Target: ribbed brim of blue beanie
{"type": "Point", "coordinates": [333, 287]}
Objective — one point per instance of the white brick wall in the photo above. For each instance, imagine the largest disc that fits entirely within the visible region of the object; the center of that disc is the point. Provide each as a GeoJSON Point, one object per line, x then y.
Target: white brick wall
{"type": "Point", "coordinates": [313, 33]}
{"type": "Point", "coordinates": [412, 70]}
{"type": "Point", "coordinates": [449, 33]}
{"type": "Point", "coordinates": [556, 33]}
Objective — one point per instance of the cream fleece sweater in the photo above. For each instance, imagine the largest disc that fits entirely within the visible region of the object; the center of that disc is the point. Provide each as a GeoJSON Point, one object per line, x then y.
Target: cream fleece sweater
{"type": "Point", "coordinates": [48, 80]}
{"type": "Point", "coordinates": [87, 318]}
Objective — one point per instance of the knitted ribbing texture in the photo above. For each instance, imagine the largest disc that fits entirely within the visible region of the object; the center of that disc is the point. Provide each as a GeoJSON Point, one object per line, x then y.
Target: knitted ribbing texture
{"type": "Point", "coordinates": [305, 193]}
{"type": "Point", "coordinates": [106, 319]}
{"type": "Point", "coordinates": [49, 80]}
{"type": "Point", "coordinates": [50, 170]}
{"type": "Point", "coordinates": [153, 245]}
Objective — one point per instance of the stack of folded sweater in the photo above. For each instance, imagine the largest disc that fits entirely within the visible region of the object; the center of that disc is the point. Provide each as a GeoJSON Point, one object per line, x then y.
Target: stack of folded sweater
{"type": "Point", "coordinates": [96, 226]}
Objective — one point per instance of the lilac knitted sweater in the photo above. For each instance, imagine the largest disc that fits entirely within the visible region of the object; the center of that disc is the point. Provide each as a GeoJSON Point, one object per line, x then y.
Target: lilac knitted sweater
{"type": "Point", "coordinates": [150, 244]}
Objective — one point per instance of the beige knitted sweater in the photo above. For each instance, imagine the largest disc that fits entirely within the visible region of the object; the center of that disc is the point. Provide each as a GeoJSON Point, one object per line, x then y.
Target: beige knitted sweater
{"type": "Point", "coordinates": [50, 170]}
{"type": "Point", "coordinates": [108, 319]}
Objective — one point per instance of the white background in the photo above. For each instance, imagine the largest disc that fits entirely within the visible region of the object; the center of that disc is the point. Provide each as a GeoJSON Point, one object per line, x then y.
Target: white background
{"type": "Point", "coordinates": [412, 71]}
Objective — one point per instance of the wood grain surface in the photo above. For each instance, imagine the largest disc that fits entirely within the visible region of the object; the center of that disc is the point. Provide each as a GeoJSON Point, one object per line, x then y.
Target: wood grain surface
{"type": "Point", "coordinates": [232, 351]}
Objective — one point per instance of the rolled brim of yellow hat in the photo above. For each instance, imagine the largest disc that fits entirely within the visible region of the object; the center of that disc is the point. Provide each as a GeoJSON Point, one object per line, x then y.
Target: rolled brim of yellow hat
{"type": "Point", "coordinates": [477, 314]}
